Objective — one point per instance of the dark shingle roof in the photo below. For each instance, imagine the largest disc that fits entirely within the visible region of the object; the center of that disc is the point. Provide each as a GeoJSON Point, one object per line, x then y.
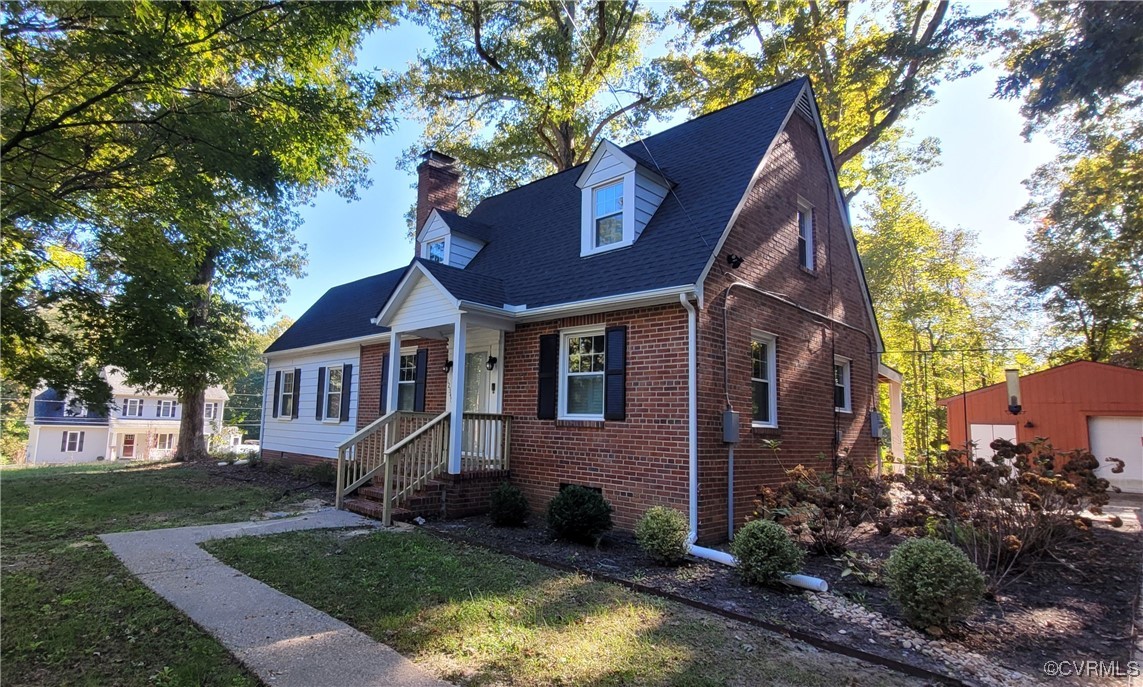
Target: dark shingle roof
{"type": "Point", "coordinates": [344, 312]}
{"type": "Point", "coordinates": [467, 286]}
{"type": "Point", "coordinates": [532, 233]}
{"type": "Point", "coordinates": [50, 407]}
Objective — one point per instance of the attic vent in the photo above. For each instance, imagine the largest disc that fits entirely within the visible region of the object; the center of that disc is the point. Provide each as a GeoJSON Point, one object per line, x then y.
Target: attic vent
{"type": "Point", "coordinates": [804, 107]}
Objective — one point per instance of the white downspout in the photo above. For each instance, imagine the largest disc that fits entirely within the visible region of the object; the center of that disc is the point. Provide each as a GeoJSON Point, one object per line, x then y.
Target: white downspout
{"type": "Point", "coordinates": [802, 581]}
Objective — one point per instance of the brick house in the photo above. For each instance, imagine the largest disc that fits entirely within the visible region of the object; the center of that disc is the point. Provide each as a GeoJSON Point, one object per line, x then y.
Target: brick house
{"type": "Point", "coordinates": [609, 316]}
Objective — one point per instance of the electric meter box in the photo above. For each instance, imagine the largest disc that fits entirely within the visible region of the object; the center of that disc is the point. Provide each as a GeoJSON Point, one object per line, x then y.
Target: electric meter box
{"type": "Point", "coordinates": [730, 426]}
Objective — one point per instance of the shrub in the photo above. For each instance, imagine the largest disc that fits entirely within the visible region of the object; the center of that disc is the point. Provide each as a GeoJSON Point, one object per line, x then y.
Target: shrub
{"type": "Point", "coordinates": [827, 507]}
{"type": "Point", "coordinates": [765, 552]}
{"type": "Point", "coordinates": [579, 514]}
{"type": "Point", "coordinates": [324, 473]}
{"type": "Point", "coordinates": [662, 534]}
{"type": "Point", "coordinates": [933, 581]}
{"type": "Point", "coordinates": [508, 507]}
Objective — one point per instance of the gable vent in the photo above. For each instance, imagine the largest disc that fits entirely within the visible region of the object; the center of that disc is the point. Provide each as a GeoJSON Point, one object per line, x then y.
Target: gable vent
{"type": "Point", "coordinates": [804, 107]}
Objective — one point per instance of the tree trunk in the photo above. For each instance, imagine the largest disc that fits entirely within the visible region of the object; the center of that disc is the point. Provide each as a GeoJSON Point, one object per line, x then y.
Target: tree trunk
{"type": "Point", "coordinates": [192, 440]}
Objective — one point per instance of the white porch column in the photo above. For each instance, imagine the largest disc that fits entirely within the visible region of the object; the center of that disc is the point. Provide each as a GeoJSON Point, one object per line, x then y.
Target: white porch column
{"type": "Point", "coordinates": [896, 422]}
{"type": "Point", "coordinates": [456, 425]}
{"type": "Point", "coordinates": [394, 371]}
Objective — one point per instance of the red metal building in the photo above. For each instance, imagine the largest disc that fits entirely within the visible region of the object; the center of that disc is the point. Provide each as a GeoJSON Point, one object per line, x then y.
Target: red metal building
{"type": "Point", "coordinates": [1079, 405]}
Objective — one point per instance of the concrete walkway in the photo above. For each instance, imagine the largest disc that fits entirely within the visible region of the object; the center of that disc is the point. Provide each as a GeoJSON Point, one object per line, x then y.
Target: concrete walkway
{"type": "Point", "coordinates": [280, 639]}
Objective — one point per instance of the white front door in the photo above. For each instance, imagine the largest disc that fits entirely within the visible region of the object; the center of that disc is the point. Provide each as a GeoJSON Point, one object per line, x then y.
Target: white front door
{"type": "Point", "coordinates": [480, 438]}
{"type": "Point", "coordinates": [477, 382]}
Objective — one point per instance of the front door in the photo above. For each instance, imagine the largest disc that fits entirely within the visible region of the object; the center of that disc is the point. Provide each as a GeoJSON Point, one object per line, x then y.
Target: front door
{"type": "Point", "coordinates": [128, 445]}
{"type": "Point", "coordinates": [480, 437]}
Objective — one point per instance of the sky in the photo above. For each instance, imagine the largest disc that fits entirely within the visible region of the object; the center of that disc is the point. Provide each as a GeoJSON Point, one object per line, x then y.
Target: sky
{"type": "Point", "coordinates": [977, 186]}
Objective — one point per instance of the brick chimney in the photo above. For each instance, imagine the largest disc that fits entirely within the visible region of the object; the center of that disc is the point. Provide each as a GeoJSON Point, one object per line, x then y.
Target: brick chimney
{"type": "Point", "coordinates": [438, 185]}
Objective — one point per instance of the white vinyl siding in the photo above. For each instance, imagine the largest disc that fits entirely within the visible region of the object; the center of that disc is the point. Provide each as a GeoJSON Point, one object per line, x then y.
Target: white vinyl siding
{"type": "Point", "coordinates": [649, 194]}
{"type": "Point", "coordinates": [608, 168]}
{"type": "Point", "coordinates": [306, 434]}
{"type": "Point", "coordinates": [462, 250]}
{"type": "Point", "coordinates": [44, 444]}
{"type": "Point", "coordinates": [459, 249]}
{"type": "Point", "coordinates": [425, 306]}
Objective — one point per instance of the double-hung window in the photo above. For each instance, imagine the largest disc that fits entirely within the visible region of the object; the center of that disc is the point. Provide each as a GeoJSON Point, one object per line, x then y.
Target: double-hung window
{"type": "Point", "coordinates": [332, 401]}
{"type": "Point", "coordinates": [166, 409]}
{"type": "Point", "coordinates": [164, 442]}
{"type": "Point", "coordinates": [607, 214]}
{"type": "Point", "coordinates": [805, 235]}
{"type": "Point", "coordinates": [764, 380]}
{"type": "Point", "coordinates": [286, 400]}
{"type": "Point", "coordinates": [435, 251]}
{"type": "Point", "coordinates": [583, 356]}
{"type": "Point", "coordinates": [407, 381]}
{"type": "Point", "coordinates": [73, 442]}
{"type": "Point", "coordinates": [842, 396]}
{"type": "Point", "coordinates": [210, 411]}
{"type": "Point", "coordinates": [133, 407]}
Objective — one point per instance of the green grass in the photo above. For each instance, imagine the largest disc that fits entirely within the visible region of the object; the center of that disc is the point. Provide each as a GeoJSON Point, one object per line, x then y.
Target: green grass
{"type": "Point", "coordinates": [478, 618]}
{"type": "Point", "coordinates": [72, 614]}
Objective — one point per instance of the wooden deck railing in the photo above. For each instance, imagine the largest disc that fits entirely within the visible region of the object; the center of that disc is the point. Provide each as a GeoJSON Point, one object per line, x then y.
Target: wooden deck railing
{"type": "Point", "coordinates": [413, 461]}
{"type": "Point", "coordinates": [485, 442]}
{"type": "Point", "coordinates": [362, 455]}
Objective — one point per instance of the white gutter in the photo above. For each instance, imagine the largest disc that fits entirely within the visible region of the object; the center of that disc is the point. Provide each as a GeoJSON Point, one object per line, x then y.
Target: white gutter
{"type": "Point", "coordinates": [340, 343]}
{"type": "Point", "coordinates": [801, 581]}
{"type": "Point", "coordinates": [523, 313]}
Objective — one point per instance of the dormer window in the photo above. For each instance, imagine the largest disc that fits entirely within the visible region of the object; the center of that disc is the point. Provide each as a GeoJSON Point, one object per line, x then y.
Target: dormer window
{"type": "Point", "coordinates": [435, 251]}
{"type": "Point", "coordinates": [608, 214]}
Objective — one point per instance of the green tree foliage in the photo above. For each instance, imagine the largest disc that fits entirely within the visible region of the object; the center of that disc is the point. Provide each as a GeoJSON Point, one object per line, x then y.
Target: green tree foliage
{"type": "Point", "coordinates": [1072, 57]}
{"type": "Point", "coordinates": [519, 90]}
{"type": "Point", "coordinates": [934, 306]}
{"type": "Point", "coordinates": [245, 407]}
{"type": "Point", "coordinates": [164, 144]}
{"type": "Point", "coordinates": [1084, 263]}
{"type": "Point", "coordinates": [871, 66]}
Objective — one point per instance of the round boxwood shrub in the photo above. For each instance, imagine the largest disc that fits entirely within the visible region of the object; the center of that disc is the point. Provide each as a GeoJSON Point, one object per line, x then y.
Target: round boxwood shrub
{"type": "Point", "coordinates": [508, 507]}
{"type": "Point", "coordinates": [579, 514]}
{"type": "Point", "coordinates": [765, 553]}
{"type": "Point", "coordinates": [933, 581]}
{"type": "Point", "coordinates": [662, 534]}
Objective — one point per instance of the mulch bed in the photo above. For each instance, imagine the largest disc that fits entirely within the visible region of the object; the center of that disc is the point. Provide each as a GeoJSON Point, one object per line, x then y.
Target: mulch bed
{"type": "Point", "coordinates": [1054, 612]}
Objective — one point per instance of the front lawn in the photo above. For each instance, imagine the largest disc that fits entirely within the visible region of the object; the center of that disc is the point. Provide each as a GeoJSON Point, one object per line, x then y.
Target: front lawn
{"type": "Point", "coordinates": [72, 613]}
{"type": "Point", "coordinates": [477, 618]}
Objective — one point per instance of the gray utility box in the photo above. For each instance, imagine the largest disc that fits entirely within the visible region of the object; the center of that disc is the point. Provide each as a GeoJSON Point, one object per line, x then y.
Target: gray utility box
{"type": "Point", "coordinates": [730, 426]}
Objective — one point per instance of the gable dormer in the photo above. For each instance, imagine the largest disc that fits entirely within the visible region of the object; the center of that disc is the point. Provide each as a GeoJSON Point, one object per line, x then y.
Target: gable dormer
{"type": "Point", "coordinates": [451, 239]}
{"type": "Point", "coordinates": [620, 195]}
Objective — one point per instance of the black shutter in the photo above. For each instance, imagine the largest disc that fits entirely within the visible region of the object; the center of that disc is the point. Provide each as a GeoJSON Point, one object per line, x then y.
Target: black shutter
{"type": "Point", "coordinates": [319, 414]}
{"type": "Point", "coordinates": [547, 377]}
{"type": "Point", "coordinates": [421, 379]}
{"type": "Point", "coordinates": [277, 390]}
{"type": "Point", "coordinates": [384, 383]}
{"type": "Point", "coordinates": [80, 447]}
{"type": "Point", "coordinates": [297, 392]}
{"type": "Point", "coordinates": [346, 385]}
{"type": "Point", "coordinates": [63, 442]}
{"type": "Point", "coordinates": [615, 377]}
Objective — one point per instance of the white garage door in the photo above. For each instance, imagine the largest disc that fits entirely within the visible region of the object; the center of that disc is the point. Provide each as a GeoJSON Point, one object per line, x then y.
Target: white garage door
{"type": "Point", "coordinates": [983, 435]}
{"type": "Point", "coordinates": [1122, 438]}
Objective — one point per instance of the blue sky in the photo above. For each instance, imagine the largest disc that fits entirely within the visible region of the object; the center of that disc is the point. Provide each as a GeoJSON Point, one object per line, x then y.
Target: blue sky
{"type": "Point", "coordinates": [977, 185]}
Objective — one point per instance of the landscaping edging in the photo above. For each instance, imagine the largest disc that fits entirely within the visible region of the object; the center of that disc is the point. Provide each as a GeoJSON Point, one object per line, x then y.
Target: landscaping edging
{"type": "Point", "coordinates": [812, 640]}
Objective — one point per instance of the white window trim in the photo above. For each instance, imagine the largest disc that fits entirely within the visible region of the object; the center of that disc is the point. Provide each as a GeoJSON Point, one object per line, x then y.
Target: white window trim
{"type": "Point", "coordinates": [286, 390]}
{"type": "Point", "coordinates": [847, 377]}
{"type": "Point", "coordinates": [165, 404]}
{"type": "Point", "coordinates": [446, 240]}
{"type": "Point", "coordinates": [587, 238]}
{"type": "Point", "coordinates": [158, 443]}
{"type": "Point", "coordinates": [771, 342]}
{"type": "Point", "coordinates": [326, 394]}
{"type": "Point", "coordinates": [565, 334]}
{"type": "Point", "coordinates": [406, 351]}
{"type": "Point", "coordinates": [210, 416]}
{"type": "Point", "coordinates": [127, 407]}
{"type": "Point", "coordinates": [68, 434]}
{"type": "Point", "coordinates": [805, 207]}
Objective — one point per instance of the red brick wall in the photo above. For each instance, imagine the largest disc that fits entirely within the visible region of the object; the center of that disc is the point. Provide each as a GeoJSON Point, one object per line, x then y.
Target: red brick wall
{"type": "Point", "coordinates": [766, 236]}
{"type": "Point", "coordinates": [291, 459]}
{"type": "Point", "coordinates": [639, 462]}
{"type": "Point", "coordinates": [369, 393]}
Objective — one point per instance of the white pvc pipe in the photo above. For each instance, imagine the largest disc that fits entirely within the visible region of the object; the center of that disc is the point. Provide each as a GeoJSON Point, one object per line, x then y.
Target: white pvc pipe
{"type": "Point", "coordinates": [800, 581]}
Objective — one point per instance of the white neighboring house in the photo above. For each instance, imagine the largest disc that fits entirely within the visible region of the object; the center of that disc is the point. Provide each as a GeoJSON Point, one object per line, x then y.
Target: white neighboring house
{"type": "Point", "coordinates": [139, 425]}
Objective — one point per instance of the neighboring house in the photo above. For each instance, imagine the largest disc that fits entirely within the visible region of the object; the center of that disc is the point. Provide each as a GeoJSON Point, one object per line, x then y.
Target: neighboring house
{"type": "Point", "coordinates": [1080, 405]}
{"type": "Point", "coordinates": [139, 425]}
{"type": "Point", "coordinates": [592, 327]}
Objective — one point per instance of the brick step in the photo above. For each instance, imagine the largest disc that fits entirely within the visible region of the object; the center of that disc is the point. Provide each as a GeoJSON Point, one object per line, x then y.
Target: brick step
{"type": "Point", "coordinates": [373, 509]}
{"type": "Point", "coordinates": [377, 493]}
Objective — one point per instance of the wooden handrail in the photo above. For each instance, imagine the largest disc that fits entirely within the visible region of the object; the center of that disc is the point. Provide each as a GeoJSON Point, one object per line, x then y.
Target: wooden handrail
{"type": "Point", "coordinates": [363, 454]}
{"type": "Point", "coordinates": [424, 428]}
